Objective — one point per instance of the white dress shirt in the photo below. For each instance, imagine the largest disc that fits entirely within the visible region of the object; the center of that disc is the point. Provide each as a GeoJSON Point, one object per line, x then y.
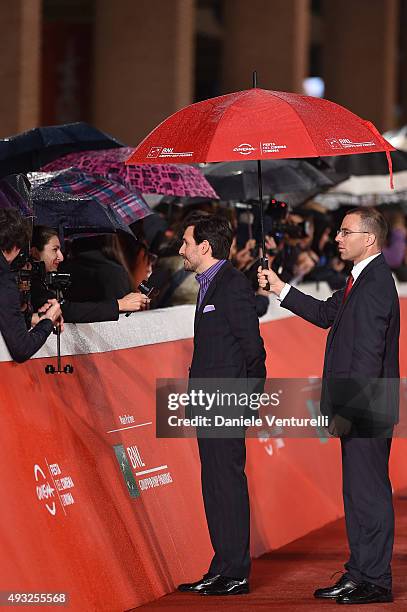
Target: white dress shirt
{"type": "Point", "coordinates": [359, 267]}
{"type": "Point", "coordinates": [356, 272]}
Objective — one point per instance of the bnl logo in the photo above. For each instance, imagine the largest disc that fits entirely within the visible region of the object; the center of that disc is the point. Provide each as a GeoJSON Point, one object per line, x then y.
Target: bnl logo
{"type": "Point", "coordinates": [334, 143]}
{"type": "Point", "coordinates": [126, 470]}
{"type": "Point", "coordinates": [154, 152]}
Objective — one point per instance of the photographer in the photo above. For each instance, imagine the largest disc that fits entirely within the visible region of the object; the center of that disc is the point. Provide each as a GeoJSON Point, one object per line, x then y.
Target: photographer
{"type": "Point", "coordinates": [21, 343]}
{"type": "Point", "coordinates": [47, 249]}
{"type": "Point", "coordinates": [294, 258]}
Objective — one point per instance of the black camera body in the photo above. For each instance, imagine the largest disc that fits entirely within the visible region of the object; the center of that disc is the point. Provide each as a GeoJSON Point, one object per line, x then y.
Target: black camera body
{"type": "Point", "coordinates": [57, 281]}
{"type": "Point", "coordinates": [278, 211]}
{"type": "Point", "coordinates": [28, 269]}
{"type": "Point", "coordinates": [292, 230]}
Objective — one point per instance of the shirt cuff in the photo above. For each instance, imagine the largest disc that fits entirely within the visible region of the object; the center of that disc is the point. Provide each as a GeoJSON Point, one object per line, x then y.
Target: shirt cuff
{"type": "Point", "coordinates": [284, 292]}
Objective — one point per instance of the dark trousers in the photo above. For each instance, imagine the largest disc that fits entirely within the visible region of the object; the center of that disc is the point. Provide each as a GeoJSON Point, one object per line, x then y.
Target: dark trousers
{"type": "Point", "coordinates": [226, 501]}
{"type": "Point", "coordinates": [369, 513]}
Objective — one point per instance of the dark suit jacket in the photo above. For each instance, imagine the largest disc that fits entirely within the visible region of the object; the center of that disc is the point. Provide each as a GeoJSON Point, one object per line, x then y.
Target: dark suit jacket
{"type": "Point", "coordinates": [21, 343]}
{"type": "Point", "coordinates": [227, 341]}
{"type": "Point", "coordinates": [363, 341]}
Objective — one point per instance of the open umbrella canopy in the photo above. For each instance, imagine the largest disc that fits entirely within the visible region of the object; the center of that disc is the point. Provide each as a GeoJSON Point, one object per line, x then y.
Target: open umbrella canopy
{"type": "Point", "coordinates": [57, 209]}
{"type": "Point", "coordinates": [398, 138]}
{"type": "Point", "coordinates": [258, 124]}
{"type": "Point", "coordinates": [368, 180]}
{"type": "Point", "coordinates": [291, 180]}
{"type": "Point", "coordinates": [70, 213]}
{"type": "Point", "coordinates": [166, 179]}
{"type": "Point", "coordinates": [32, 149]}
{"type": "Point", "coordinates": [371, 164]}
{"type": "Point", "coordinates": [73, 214]}
{"type": "Point", "coordinates": [129, 205]}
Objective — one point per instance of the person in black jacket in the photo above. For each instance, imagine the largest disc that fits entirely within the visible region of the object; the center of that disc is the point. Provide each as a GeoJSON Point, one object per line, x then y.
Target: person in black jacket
{"type": "Point", "coordinates": [228, 345]}
{"type": "Point", "coordinates": [98, 269]}
{"type": "Point", "coordinates": [360, 394]}
{"type": "Point", "coordinates": [21, 343]}
{"type": "Point", "coordinates": [46, 248]}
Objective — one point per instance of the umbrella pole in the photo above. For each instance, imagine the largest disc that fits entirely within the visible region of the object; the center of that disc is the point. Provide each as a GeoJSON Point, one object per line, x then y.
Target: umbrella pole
{"type": "Point", "coordinates": [264, 262]}
{"type": "Point", "coordinates": [254, 79]}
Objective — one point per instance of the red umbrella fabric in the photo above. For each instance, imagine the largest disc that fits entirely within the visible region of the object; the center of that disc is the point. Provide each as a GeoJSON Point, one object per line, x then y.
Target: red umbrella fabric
{"type": "Point", "coordinates": [167, 179]}
{"type": "Point", "coordinates": [259, 124]}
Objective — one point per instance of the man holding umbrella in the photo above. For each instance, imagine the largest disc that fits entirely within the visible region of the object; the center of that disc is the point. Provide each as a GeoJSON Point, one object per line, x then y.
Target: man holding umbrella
{"type": "Point", "coordinates": [360, 395]}
{"type": "Point", "coordinates": [227, 344]}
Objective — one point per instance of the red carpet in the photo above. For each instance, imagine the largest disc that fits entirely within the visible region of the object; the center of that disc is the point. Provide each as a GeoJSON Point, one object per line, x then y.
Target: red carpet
{"type": "Point", "coordinates": [286, 578]}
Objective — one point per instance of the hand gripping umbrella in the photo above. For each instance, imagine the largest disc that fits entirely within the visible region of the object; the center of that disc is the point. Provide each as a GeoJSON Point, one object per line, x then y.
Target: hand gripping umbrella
{"type": "Point", "coordinates": [259, 124]}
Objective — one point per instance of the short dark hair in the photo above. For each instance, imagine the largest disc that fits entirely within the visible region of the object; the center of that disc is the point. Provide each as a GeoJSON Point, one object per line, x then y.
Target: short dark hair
{"type": "Point", "coordinates": [15, 230]}
{"type": "Point", "coordinates": [213, 228]}
{"type": "Point", "coordinates": [372, 221]}
{"type": "Point", "coordinates": [42, 235]}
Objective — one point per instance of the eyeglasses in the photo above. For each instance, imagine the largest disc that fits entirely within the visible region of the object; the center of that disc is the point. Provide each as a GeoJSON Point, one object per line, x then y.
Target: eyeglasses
{"type": "Point", "coordinates": [346, 232]}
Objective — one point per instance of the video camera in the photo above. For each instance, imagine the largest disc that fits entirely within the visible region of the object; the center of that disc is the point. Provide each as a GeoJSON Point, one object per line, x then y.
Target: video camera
{"type": "Point", "coordinates": [28, 269]}
{"type": "Point", "coordinates": [278, 211]}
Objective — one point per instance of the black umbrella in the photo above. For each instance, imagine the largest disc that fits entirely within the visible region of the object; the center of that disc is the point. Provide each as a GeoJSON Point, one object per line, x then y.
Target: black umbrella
{"type": "Point", "coordinates": [368, 183]}
{"type": "Point", "coordinates": [32, 149]}
{"type": "Point", "coordinates": [291, 180]}
{"type": "Point", "coordinates": [70, 213]}
{"type": "Point", "coordinates": [73, 214]}
{"type": "Point", "coordinates": [368, 163]}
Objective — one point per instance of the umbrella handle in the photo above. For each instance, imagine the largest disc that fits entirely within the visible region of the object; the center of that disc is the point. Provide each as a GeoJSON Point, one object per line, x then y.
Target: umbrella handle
{"type": "Point", "coordinates": [264, 262]}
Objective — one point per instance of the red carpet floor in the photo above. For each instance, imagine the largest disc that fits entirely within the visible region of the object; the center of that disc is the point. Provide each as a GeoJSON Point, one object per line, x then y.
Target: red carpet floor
{"type": "Point", "coordinates": [285, 579]}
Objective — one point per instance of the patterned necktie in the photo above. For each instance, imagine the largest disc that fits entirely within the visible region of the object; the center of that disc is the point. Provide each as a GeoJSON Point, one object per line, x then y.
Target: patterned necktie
{"type": "Point", "coordinates": [348, 287]}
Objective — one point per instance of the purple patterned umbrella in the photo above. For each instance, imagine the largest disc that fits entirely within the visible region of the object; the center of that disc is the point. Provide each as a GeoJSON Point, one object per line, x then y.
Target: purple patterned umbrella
{"type": "Point", "coordinates": [130, 205]}
{"type": "Point", "coordinates": [168, 179]}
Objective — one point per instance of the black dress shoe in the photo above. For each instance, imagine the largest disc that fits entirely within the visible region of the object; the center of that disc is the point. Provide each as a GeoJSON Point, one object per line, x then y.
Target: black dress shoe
{"type": "Point", "coordinates": [227, 586]}
{"type": "Point", "coordinates": [196, 587]}
{"type": "Point", "coordinates": [343, 586]}
{"type": "Point", "coordinates": [366, 593]}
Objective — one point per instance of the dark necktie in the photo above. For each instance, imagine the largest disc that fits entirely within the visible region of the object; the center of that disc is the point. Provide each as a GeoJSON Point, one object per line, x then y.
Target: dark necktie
{"type": "Point", "coordinates": [348, 287]}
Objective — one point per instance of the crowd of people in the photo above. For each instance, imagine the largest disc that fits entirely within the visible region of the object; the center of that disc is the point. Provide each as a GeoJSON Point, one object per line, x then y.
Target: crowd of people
{"type": "Point", "coordinates": [213, 260]}
{"type": "Point", "coordinates": [300, 246]}
{"type": "Point", "coordinates": [105, 271]}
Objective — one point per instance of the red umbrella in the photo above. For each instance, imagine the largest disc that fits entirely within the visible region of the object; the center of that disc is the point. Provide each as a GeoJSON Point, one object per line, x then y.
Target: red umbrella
{"type": "Point", "coordinates": [259, 124]}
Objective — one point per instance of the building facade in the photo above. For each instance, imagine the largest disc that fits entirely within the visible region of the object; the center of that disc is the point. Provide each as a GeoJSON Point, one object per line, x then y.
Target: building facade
{"type": "Point", "coordinates": [125, 65]}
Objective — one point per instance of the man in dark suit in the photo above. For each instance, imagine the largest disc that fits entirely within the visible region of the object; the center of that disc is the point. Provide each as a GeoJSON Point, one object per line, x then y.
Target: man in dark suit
{"type": "Point", "coordinates": [227, 344]}
{"type": "Point", "coordinates": [362, 347]}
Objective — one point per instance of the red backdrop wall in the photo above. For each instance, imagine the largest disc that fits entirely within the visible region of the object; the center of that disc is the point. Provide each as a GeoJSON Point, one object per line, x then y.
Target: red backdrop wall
{"type": "Point", "coordinates": [94, 505]}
